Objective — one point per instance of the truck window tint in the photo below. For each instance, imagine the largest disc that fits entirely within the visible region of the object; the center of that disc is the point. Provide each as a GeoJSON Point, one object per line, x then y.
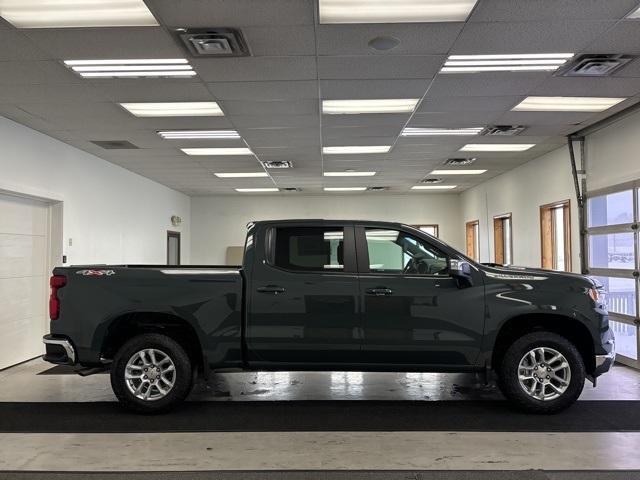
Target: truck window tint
{"type": "Point", "coordinates": [310, 248]}
{"type": "Point", "coordinates": [392, 251]}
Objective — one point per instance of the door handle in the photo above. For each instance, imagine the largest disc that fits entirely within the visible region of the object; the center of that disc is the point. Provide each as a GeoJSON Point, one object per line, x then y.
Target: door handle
{"type": "Point", "coordinates": [273, 289]}
{"type": "Point", "coordinates": [379, 291]}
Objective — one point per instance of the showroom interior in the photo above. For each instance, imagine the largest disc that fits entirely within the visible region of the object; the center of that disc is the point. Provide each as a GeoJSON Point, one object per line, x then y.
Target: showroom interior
{"type": "Point", "coordinates": [155, 132]}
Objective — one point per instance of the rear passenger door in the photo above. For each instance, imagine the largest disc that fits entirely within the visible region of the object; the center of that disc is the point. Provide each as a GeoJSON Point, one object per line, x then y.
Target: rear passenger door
{"type": "Point", "coordinates": [303, 298]}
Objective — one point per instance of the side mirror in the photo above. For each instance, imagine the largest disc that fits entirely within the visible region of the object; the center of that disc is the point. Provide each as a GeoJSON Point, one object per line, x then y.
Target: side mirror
{"type": "Point", "coordinates": [461, 271]}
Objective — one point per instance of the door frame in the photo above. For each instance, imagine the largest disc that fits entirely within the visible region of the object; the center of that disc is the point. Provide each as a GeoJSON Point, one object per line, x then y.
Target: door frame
{"type": "Point", "coordinates": [174, 234]}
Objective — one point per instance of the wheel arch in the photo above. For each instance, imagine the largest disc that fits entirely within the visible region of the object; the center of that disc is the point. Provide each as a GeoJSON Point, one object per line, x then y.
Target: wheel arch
{"type": "Point", "coordinates": [126, 326]}
{"type": "Point", "coordinates": [570, 328]}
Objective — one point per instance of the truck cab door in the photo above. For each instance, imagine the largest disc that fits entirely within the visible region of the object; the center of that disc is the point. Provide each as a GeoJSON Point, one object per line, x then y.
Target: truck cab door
{"type": "Point", "coordinates": [303, 298]}
{"type": "Point", "coordinates": [414, 312]}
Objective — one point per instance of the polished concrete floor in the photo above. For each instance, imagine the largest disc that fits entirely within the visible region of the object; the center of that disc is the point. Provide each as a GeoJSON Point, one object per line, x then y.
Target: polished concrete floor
{"type": "Point", "coordinates": [276, 451]}
{"type": "Point", "coordinates": [36, 381]}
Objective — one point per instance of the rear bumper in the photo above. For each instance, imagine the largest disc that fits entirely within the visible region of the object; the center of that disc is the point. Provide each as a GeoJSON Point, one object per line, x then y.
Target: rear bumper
{"type": "Point", "coordinates": [59, 350]}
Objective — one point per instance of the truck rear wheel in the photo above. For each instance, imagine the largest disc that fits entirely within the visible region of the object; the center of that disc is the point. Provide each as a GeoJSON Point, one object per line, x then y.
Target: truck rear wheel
{"type": "Point", "coordinates": [151, 373]}
{"type": "Point", "coordinates": [542, 372]}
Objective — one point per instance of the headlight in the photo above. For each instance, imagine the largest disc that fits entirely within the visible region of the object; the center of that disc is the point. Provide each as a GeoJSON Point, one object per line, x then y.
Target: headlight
{"type": "Point", "coordinates": [594, 294]}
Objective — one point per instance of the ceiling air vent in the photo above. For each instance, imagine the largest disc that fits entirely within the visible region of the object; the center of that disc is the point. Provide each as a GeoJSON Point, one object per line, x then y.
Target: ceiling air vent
{"type": "Point", "coordinates": [214, 42]}
{"type": "Point", "coordinates": [377, 189]}
{"type": "Point", "coordinates": [594, 65]}
{"type": "Point", "coordinates": [278, 164]}
{"type": "Point", "coordinates": [502, 130]}
{"type": "Point", "coordinates": [456, 162]}
{"type": "Point", "coordinates": [432, 180]}
{"type": "Point", "coordinates": [114, 144]}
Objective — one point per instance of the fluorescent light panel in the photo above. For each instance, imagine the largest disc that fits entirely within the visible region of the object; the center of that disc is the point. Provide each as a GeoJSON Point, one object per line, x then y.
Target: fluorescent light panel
{"type": "Point", "coordinates": [256, 190]}
{"type": "Point", "coordinates": [242, 175]}
{"type": "Point", "coordinates": [457, 172]}
{"type": "Point", "coordinates": [353, 149]}
{"type": "Point", "coordinates": [174, 109]}
{"type": "Point", "coordinates": [146, 67]}
{"type": "Point", "coordinates": [426, 132]}
{"type": "Point", "coordinates": [76, 13]}
{"type": "Point", "coordinates": [217, 151]}
{"type": "Point", "coordinates": [199, 134]}
{"type": "Point", "coordinates": [566, 104]}
{"type": "Point", "coordinates": [497, 147]}
{"type": "Point", "coordinates": [349, 107]}
{"type": "Point", "coordinates": [344, 189]}
{"type": "Point", "coordinates": [433, 187]}
{"type": "Point", "coordinates": [396, 11]}
{"type": "Point", "coordinates": [349, 174]}
{"type": "Point", "coordinates": [505, 63]}
{"type": "Point", "coordinates": [634, 14]}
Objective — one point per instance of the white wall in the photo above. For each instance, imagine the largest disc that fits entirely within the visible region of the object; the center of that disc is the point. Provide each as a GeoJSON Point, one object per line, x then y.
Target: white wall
{"type": "Point", "coordinates": [112, 215]}
{"type": "Point", "coordinates": [613, 154]}
{"type": "Point", "coordinates": [220, 221]}
{"type": "Point", "coordinates": [521, 192]}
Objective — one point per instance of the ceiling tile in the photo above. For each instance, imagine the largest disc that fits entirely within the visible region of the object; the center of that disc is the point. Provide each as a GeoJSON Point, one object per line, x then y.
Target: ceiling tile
{"type": "Point", "coordinates": [379, 67]}
{"type": "Point", "coordinates": [485, 84]}
{"type": "Point", "coordinates": [105, 43]}
{"type": "Point", "coordinates": [152, 90]}
{"type": "Point", "coordinates": [528, 37]}
{"type": "Point", "coordinates": [623, 38]}
{"type": "Point", "coordinates": [365, 120]}
{"type": "Point", "coordinates": [415, 39]}
{"type": "Point", "coordinates": [290, 107]}
{"type": "Point", "coordinates": [544, 118]}
{"type": "Point", "coordinates": [15, 46]}
{"type": "Point", "coordinates": [280, 41]}
{"type": "Point", "coordinates": [468, 104]}
{"type": "Point", "coordinates": [455, 119]}
{"type": "Point", "coordinates": [275, 90]}
{"type": "Point", "coordinates": [588, 87]}
{"type": "Point", "coordinates": [270, 121]}
{"type": "Point", "coordinates": [225, 13]}
{"type": "Point", "coordinates": [353, 89]}
{"type": "Point", "coordinates": [537, 10]}
{"type": "Point", "coordinates": [45, 93]}
{"type": "Point", "coordinates": [256, 68]}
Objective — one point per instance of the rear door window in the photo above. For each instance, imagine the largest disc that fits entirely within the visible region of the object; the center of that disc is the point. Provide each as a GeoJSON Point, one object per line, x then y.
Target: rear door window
{"type": "Point", "coordinates": [310, 249]}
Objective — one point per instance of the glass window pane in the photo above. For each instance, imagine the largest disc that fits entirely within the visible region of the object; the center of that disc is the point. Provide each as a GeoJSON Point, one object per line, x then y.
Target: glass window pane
{"type": "Point", "coordinates": [620, 294]}
{"type": "Point", "coordinates": [310, 248]}
{"type": "Point", "coordinates": [614, 250]}
{"type": "Point", "coordinates": [558, 238]}
{"type": "Point", "coordinates": [612, 209]}
{"type": "Point", "coordinates": [626, 339]}
{"type": "Point", "coordinates": [507, 241]}
{"type": "Point", "coordinates": [391, 251]}
{"type": "Point", "coordinates": [430, 229]}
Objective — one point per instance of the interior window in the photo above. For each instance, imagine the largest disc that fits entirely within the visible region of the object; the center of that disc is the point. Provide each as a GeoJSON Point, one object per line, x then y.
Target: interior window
{"type": "Point", "coordinates": [310, 248]}
{"type": "Point", "coordinates": [393, 251]}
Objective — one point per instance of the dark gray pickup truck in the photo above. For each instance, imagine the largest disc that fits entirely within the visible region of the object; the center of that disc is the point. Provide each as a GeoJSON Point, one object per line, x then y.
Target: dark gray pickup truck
{"type": "Point", "coordinates": [331, 295]}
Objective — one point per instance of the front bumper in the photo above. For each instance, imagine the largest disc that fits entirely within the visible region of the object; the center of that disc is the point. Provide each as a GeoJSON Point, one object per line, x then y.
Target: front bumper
{"type": "Point", "coordinates": [59, 350]}
{"type": "Point", "coordinates": [605, 362]}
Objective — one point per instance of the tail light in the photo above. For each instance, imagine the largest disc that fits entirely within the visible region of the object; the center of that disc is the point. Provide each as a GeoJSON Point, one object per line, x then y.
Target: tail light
{"type": "Point", "coordinates": [56, 282]}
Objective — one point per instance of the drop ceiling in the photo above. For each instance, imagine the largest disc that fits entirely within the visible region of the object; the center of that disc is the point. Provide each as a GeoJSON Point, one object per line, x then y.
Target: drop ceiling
{"type": "Point", "coordinates": [273, 97]}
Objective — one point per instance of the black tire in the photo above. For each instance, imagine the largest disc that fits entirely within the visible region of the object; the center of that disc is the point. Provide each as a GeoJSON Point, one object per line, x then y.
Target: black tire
{"type": "Point", "coordinates": [509, 382]}
{"type": "Point", "coordinates": [183, 373]}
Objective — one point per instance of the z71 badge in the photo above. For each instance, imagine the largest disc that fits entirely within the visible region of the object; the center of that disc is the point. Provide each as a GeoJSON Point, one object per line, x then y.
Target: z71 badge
{"type": "Point", "coordinates": [95, 273]}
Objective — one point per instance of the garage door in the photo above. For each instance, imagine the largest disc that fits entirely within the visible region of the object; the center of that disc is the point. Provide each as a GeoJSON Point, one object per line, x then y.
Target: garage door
{"type": "Point", "coordinates": [23, 278]}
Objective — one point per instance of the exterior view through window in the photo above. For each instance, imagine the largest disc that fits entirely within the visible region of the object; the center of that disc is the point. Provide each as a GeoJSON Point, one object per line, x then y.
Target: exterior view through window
{"type": "Point", "coordinates": [391, 251]}
{"type": "Point", "coordinates": [503, 241]}
{"type": "Point", "coordinates": [612, 259]}
{"type": "Point", "coordinates": [310, 249]}
{"type": "Point", "coordinates": [432, 230]}
{"type": "Point", "coordinates": [473, 240]}
{"type": "Point", "coordinates": [555, 232]}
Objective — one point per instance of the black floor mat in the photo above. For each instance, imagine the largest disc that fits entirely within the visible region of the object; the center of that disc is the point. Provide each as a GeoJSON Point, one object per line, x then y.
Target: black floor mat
{"type": "Point", "coordinates": [485, 416]}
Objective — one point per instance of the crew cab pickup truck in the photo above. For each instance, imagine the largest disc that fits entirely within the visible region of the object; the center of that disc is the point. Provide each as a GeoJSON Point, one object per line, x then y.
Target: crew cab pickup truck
{"type": "Point", "coordinates": [331, 295]}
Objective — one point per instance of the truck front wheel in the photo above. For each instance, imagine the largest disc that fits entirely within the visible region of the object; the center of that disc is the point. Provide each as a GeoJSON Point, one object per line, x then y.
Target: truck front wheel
{"type": "Point", "coordinates": [151, 373]}
{"type": "Point", "coordinates": [542, 372]}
